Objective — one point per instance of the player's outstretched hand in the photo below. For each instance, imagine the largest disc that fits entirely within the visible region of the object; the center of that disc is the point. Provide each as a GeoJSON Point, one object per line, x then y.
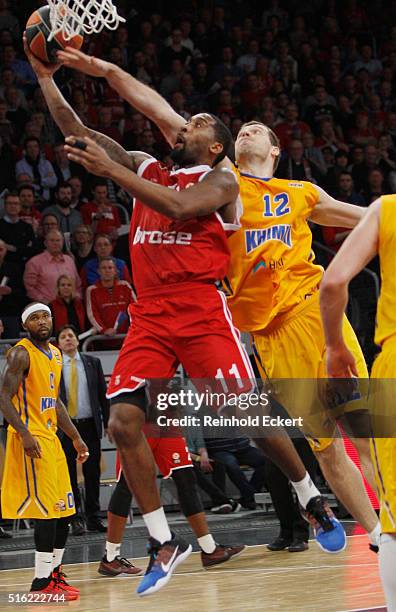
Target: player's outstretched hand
{"type": "Point", "coordinates": [86, 152]}
{"type": "Point", "coordinates": [41, 69]}
{"type": "Point", "coordinates": [31, 445]}
{"type": "Point", "coordinates": [81, 449]}
{"type": "Point", "coordinates": [72, 58]}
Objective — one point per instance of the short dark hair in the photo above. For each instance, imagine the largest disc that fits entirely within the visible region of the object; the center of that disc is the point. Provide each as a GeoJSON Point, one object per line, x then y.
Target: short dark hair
{"type": "Point", "coordinates": [62, 329]}
{"type": "Point", "coordinates": [224, 137]}
{"type": "Point", "coordinates": [11, 194]}
{"type": "Point", "coordinates": [274, 140]}
{"type": "Point", "coordinates": [25, 186]}
{"type": "Point", "coordinates": [63, 185]}
{"type": "Point", "coordinates": [31, 139]}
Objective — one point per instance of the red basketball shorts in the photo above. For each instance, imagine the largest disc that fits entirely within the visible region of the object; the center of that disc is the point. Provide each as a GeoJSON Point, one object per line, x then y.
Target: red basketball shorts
{"type": "Point", "coordinates": [192, 326]}
{"type": "Point", "coordinates": [169, 454]}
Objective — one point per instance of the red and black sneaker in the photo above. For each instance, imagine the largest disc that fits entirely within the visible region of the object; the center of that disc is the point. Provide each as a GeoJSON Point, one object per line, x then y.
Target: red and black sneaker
{"type": "Point", "coordinates": [60, 578]}
{"type": "Point", "coordinates": [55, 591]}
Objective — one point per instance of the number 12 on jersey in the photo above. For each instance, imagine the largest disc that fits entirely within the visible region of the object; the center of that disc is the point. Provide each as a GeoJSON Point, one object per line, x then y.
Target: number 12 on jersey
{"type": "Point", "coordinates": [276, 206]}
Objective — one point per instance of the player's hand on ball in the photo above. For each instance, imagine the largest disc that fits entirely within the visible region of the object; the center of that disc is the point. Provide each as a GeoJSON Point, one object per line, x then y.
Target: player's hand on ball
{"type": "Point", "coordinates": [72, 58]}
{"type": "Point", "coordinates": [81, 449]}
{"type": "Point", "coordinates": [92, 156]}
{"type": "Point", "coordinates": [42, 70]}
{"type": "Point", "coordinates": [31, 445]}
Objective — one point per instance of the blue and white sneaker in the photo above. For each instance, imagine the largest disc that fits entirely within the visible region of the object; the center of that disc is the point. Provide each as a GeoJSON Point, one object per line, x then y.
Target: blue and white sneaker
{"type": "Point", "coordinates": [164, 558]}
{"type": "Point", "coordinates": [329, 533]}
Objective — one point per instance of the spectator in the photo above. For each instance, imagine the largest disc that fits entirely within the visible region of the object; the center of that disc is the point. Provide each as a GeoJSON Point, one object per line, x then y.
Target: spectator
{"type": "Point", "coordinates": [29, 213]}
{"type": "Point", "coordinates": [296, 166]}
{"type": "Point", "coordinates": [82, 245]}
{"type": "Point", "coordinates": [62, 166]}
{"type": "Point", "coordinates": [12, 294]}
{"type": "Point", "coordinates": [43, 271]}
{"type": "Point", "coordinates": [248, 61]}
{"type": "Point", "coordinates": [100, 213]}
{"type": "Point", "coordinates": [7, 131]}
{"type": "Point", "coordinates": [176, 50]}
{"type": "Point", "coordinates": [108, 300]}
{"type": "Point", "coordinates": [25, 76]}
{"type": "Point", "coordinates": [312, 153]}
{"type": "Point", "coordinates": [78, 200]}
{"type": "Point", "coordinates": [366, 61]}
{"type": "Point", "coordinates": [7, 165]}
{"type": "Point", "coordinates": [69, 218]}
{"type": "Point", "coordinates": [291, 128]}
{"type": "Point", "coordinates": [103, 247]}
{"type": "Point", "coordinates": [17, 234]}
{"type": "Point", "coordinates": [37, 167]}
{"type": "Point", "coordinates": [361, 170]}
{"type": "Point", "coordinates": [375, 185]}
{"type": "Point", "coordinates": [234, 453]}
{"type": "Point", "coordinates": [319, 109]}
{"type": "Point", "coordinates": [67, 308]}
{"type": "Point", "coordinates": [83, 391]}
{"type": "Point", "coordinates": [171, 81]}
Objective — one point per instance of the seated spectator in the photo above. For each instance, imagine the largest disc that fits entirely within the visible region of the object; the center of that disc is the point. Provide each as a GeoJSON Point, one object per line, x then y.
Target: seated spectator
{"type": "Point", "coordinates": [25, 76]}
{"type": "Point", "coordinates": [330, 136]}
{"type": "Point", "coordinates": [12, 294]}
{"type": "Point", "coordinates": [108, 300]}
{"type": "Point", "coordinates": [106, 124]}
{"type": "Point", "coordinates": [319, 109]}
{"type": "Point", "coordinates": [37, 167]}
{"type": "Point", "coordinates": [296, 166]}
{"type": "Point", "coordinates": [63, 167]}
{"type": "Point", "coordinates": [42, 271]}
{"type": "Point", "coordinates": [78, 200]}
{"type": "Point", "coordinates": [291, 128]}
{"type": "Point", "coordinates": [7, 165]}
{"type": "Point", "coordinates": [103, 248]}
{"type": "Point", "coordinates": [69, 218]}
{"type": "Point", "coordinates": [67, 308]}
{"type": "Point", "coordinates": [100, 213]}
{"type": "Point", "coordinates": [17, 234]}
{"type": "Point", "coordinates": [313, 153]}
{"type": "Point", "coordinates": [7, 131]}
{"type": "Point", "coordinates": [341, 164]}
{"type": "Point", "coordinates": [364, 132]}
{"type": "Point", "coordinates": [375, 185]}
{"type": "Point", "coordinates": [29, 213]}
{"type": "Point", "coordinates": [82, 245]}
{"type": "Point", "coordinates": [233, 453]}
{"type": "Point", "coordinates": [203, 467]}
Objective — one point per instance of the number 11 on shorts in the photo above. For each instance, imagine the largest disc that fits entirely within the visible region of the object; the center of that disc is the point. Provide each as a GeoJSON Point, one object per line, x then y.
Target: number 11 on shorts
{"type": "Point", "coordinates": [233, 371]}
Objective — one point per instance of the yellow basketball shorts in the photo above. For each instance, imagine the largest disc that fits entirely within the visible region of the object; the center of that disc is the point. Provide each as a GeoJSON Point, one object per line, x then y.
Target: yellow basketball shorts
{"type": "Point", "coordinates": [294, 348]}
{"type": "Point", "coordinates": [383, 449]}
{"type": "Point", "coordinates": [36, 488]}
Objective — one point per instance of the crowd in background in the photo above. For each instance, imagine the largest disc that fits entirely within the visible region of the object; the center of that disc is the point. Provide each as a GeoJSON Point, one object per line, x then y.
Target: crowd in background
{"type": "Point", "coordinates": [320, 73]}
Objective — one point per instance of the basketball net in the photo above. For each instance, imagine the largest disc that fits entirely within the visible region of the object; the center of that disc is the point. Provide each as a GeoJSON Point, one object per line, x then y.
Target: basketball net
{"type": "Point", "coordinates": [71, 17]}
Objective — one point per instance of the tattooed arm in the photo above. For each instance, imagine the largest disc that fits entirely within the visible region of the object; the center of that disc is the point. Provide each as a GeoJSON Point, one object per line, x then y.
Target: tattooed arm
{"type": "Point", "coordinates": [70, 123]}
{"type": "Point", "coordinates": [17, 366]}
{"type": "Point", "coordinates": [70, 430]}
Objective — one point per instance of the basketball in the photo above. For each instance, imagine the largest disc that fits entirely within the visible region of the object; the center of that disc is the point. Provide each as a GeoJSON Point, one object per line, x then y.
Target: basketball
{"type": "Point", "coordinates": [38, 29]}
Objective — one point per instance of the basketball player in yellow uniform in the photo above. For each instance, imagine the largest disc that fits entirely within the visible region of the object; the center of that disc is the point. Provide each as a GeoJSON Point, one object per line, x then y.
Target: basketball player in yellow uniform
{"type": "Point", "coordinates": [36, 483]}
{"type": "Point", "coordinates": [376, 233]}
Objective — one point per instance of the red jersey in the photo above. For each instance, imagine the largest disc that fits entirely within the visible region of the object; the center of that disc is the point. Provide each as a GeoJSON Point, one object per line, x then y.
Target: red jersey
{"type": "Point", "coordinates": [108, 308]}
{"type": "Point", "coordinates": [166, 251]}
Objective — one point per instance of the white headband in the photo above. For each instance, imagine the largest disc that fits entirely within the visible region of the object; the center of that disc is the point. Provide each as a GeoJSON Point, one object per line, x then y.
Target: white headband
{"type": "Point", "coordinates": [34, 308]}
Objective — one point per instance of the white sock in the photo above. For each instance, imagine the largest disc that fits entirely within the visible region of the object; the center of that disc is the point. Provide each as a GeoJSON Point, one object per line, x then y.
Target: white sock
{"type": "Point", "coordinates": [207, 543]}
{"type": "Point", "coordinates": [305, 490]}
{"type": "Point", "coordinates": [112, 551]}
{"type": "Point", "coordinates": [57, 557]}
{"type": "Point", "coordinates": [375, 535]}
{"type": "Point", "coordinates": [157, 525]}
{"type": "Point", "coordinates": [387, 561]}
{"type": "Point", "coordinates": [42, 564]}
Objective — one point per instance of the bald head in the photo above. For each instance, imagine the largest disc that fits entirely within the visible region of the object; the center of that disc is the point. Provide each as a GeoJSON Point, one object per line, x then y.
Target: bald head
{"type": "Point", "coordinates": [54, 242]}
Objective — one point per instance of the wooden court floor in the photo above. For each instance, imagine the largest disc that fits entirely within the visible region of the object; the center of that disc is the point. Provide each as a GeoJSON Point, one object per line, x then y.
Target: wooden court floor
{"type": "Point", "coordinates": [257, 580]}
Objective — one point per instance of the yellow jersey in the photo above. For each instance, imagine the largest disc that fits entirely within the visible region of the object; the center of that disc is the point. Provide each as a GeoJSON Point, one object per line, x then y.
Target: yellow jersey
{"type": "Point", "coordinates": [272, 265]}
{"type": "Point", "coordinates": [386, 310]}
{"type": "Point", "coordinates": [36, 397]}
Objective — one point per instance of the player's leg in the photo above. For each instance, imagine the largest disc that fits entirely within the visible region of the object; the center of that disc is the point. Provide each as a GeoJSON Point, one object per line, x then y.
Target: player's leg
{"type": "Point", "coordinates": [112, 563]}
{"type": "Point", "coordinates": [44, 540]}
{"type": "Point", "coordinates": [387, 561]}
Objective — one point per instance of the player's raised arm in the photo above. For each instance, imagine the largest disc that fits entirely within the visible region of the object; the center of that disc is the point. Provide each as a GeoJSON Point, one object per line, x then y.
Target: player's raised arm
{"type": "Point", "coordinates": [67, 119]}
{"type": "Point", "coordinates": [332, 212]}
{"type": "Point", "coordinates": [146, 100]}
{"type": "Point", "coordinates": [17, 364]}
{"type": "Point", "coordinates": [217, 190]}
{"type": "Point", "coordinates": [357, 250]}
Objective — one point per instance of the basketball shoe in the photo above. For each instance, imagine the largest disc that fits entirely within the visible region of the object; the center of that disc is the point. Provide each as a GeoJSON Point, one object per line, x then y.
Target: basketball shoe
{"type": "Point", "coordinates": [118, 566]}
{"type": "Point", "coordinates": [51, 589]}
{"type": "Point", "coordinates": [221, 554]}
{"type": "Point", "coordinates": [328, 531]}
{"type": "Point", "coordinates": [164, 558]}
{"type": "Point", "coordinates": [60, 578]}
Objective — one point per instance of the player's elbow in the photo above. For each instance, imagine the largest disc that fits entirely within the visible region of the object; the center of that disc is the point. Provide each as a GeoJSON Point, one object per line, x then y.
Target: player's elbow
{"type": "Point", "coordinates": [330, 285]}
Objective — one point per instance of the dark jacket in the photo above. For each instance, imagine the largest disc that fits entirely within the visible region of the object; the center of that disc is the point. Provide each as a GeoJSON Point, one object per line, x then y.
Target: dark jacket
{"type": "Point", "coordinates": [97, 391]}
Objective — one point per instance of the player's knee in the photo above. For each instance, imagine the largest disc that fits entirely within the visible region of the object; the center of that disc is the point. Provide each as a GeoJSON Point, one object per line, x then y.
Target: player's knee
{"type": "Point", "coordinates": [333, 457]}
{"type": "Point", "coordinates": [125, 423]}
{"type": "Point", "coordinates": [187, 490]}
